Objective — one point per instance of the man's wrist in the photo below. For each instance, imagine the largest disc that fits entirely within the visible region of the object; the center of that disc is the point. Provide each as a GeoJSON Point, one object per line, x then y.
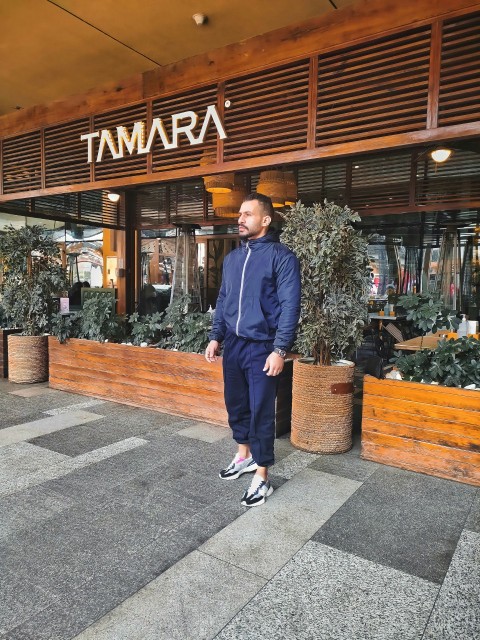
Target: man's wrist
{"type": "Point", "coordinates": [280, 352]}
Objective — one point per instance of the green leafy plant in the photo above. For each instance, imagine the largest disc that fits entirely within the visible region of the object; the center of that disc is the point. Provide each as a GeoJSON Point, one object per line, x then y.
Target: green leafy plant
{"type": "Point", "coordinates": [95, 321]}
{"type": "Point", "coordinates": [454, 363]}
{"type": "Point", "coordinates": [145, 328]}
{"type": "Point", "coordinates": [184, 330]}
{"type": "Point", "coordinates": [427, 312]}
{"type": "Point", "coordinates": [32, 275]}
{"type": "Point", "coordinates": [336, 282]}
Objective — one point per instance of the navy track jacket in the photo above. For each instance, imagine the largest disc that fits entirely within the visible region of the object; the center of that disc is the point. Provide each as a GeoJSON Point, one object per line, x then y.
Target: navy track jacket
{"type": "Point", "coordinates": [260, 294]}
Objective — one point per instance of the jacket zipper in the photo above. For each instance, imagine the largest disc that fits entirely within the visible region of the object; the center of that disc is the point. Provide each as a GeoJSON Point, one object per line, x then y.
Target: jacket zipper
{"type": "Point", "coordinates": [241, 288]}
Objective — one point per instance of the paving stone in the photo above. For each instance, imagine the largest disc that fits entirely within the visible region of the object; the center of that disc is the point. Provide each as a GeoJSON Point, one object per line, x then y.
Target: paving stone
{"type": "Point", "coordinates": [19, 600]}
{"type": "Point", "coordinates": [327, 594]}
{"type": "Point", "coordinates": [70, 613]}
{"type": "Point", "coordinates": [457, 610]}
{"type": "Point", "coordinates": [66, 466]}
{"type": "Point", "coordinates": [292, 464]}
{"type": "Point", "coordinates": [198, 596]}
{"type": "Point", "coordinates": [32, 392]}
{"type": "Point", "coordinates": [345, 465]}
{"type": "Point", "coordinates": [206, 432]}
{"type": "Point", "coordinates": [26, 509]}
{"type": "Point", "coordinates": [264, 539]}
{"type": "Point", "coordinates": [473, 520]}
{"type": "Point", "coordinates": [402, 519]}
{"type": "Point", "coordinates": [30, 430]}
{"type": "Point", "coordinates": [22, 458]}
{"type": "Point", "coordinates": [72, 407]}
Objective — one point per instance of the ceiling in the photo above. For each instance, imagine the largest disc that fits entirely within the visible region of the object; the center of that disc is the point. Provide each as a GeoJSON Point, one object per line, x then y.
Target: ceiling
{"type": "Point", "coordinates": [52, 49]}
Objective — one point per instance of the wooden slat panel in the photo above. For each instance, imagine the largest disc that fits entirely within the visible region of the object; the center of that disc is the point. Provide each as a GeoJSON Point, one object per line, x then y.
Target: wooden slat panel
{"type": "Point", "coordinates": [130, 165]}
{"type": "Point", "coordinates": [110, 371]}
{"type": "Point", "coordinates": [65, 154]}
{"type": "Point", "coordinates": [459, 97]}
{"type": "Point", "coordinates": [22, 163]}
{"type": "Point", "coordinates": [430, 462]}
{"type": "Point", "coordinates": [374, 89]}
{"type": "Point", "coordinates": [185, 155]}
{"type": "Point", "coordinates": [268, 112]}
{"type": "Point", "coordinates": [425, 428]}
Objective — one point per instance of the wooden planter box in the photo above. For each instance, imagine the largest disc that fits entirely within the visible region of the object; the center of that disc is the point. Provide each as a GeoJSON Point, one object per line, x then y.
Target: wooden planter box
{"type": "Point", "coordinates": [4, 333]}
{"type": "Point", "coordinates": [420, 427]}
{"type": "Point", "coordinates": [179, 383]}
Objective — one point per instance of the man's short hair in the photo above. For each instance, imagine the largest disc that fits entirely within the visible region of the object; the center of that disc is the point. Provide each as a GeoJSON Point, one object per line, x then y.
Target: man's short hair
{"type": "Point", "coordinates": [265, 202]}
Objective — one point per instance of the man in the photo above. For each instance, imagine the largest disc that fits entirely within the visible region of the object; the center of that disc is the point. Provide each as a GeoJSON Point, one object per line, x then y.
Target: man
{"type": "Point", "coordinates": [256, 316]}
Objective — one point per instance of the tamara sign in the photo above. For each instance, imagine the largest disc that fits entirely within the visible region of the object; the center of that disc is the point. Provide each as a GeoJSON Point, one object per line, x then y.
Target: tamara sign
{"type": "Point", "coordinates": [136, 140]}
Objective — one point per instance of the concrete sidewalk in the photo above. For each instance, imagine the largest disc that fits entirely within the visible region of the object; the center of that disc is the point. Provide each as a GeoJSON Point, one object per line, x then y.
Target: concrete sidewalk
{"type": "Point", "coordinates": [115, 526]}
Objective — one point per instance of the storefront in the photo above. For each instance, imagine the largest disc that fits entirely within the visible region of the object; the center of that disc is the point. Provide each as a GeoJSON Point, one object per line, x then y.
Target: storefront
{"type": "Point", "coordinates": [349, 107]}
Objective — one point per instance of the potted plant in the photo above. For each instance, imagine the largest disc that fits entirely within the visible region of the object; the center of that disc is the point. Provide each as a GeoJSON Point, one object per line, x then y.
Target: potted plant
{"type": "Point", "coordinates": [32, 275]}
{"type": "Point", "coordinates": [335, 275]}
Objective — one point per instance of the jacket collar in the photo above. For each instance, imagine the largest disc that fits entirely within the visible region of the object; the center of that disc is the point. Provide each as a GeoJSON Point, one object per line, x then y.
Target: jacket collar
{"type": "Point", "coordinates": [271, 236]}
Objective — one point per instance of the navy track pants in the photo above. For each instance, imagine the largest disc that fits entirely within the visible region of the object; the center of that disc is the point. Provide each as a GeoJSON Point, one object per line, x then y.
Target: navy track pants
{"type": "Point", "coordinates": [250, 396]}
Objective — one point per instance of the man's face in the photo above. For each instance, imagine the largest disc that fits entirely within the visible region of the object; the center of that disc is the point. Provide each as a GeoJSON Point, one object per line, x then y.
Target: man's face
{"type": "Point", "coordinates": [253, 222]}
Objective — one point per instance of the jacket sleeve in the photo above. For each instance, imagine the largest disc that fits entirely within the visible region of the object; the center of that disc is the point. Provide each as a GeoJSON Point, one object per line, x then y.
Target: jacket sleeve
{"type": "Point", "coordinates": [288, 291]}
{"type": "Point", "coordinates": [219, 327]}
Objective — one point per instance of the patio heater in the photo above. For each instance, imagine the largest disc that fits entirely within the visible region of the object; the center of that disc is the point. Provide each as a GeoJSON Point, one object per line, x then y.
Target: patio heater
{"type": "Point", "coordinates": [447, 282]}
{"type": "Point", "coordinates": [185, 278]}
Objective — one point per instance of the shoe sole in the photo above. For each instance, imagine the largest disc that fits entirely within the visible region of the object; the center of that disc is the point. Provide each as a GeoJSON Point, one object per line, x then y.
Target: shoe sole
{"type": "Point", "coordinates": [254, 467]}
{"type": "Point", "coordinates": [260, 502]}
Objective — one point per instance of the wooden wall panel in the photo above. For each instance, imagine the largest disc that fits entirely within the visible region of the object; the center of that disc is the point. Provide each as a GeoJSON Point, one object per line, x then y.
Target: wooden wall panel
{"type": "Point", "coordinates": [374, 89]}
{"type": "Point", "coordinates": [65, 154]}
{"type": "Point", "coordinates": [425, 428]}
{"type": "Point", "coordinates": [185, 155]}
{"type": "Point", "coordinates": [459, 98]}
{"type": "Point", "coordinates": [268, 112]}
{"type": "Point", "coordinates": [129, 165]}
{"type": "Point", "coordinates": [21, 161]}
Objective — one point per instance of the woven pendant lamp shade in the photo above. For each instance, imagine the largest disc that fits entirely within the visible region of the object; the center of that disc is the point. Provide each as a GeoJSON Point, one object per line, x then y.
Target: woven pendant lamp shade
{"type": "Point", "coordinates": [226, 205]}
{"type": "Point", "coordinates": [272, 184]}
{"type": "Point", "coordinates": [291, 188]}
{"type": "Point", "coordinates": [220, 183]}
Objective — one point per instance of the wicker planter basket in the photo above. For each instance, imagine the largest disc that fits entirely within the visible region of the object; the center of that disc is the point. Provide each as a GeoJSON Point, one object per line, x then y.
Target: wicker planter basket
{"type": "Point", "coordinates": [27, 358]}
{"type": "Point", "coordinates": [322, 403]}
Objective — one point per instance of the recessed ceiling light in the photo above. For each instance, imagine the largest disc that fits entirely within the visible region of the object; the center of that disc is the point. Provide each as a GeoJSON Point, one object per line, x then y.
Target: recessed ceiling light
{"type": "Point", "coordinates": [113, 197]}
{"type": "Point", "coordinates": [356, 166]}
{"type": "Point", "coordinates": [440, 154]}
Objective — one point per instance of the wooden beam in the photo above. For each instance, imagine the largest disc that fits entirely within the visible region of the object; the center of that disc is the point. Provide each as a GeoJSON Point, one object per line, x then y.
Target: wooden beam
{"type": "Point", "coordinates": [434, 76]}
{"type": "Point", "coordinates": [454, 132]}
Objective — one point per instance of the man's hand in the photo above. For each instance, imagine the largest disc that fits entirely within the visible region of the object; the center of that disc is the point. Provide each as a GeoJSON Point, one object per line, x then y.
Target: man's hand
{"type": "Point", "coordinates": [274, 364]}
{"type": "Point", "coordinates": [211, 352]}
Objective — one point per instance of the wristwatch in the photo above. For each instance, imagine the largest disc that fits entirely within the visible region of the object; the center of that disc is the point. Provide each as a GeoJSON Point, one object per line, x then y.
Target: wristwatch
{"type": "Point", "coordinates": [280, 352]}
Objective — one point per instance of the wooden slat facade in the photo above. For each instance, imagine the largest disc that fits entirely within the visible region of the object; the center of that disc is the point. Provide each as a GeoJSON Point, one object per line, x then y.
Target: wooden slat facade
{"type": "Point", "coordinates": [425, 428]}
{"type": "Point", "coordinates": [384, 91]}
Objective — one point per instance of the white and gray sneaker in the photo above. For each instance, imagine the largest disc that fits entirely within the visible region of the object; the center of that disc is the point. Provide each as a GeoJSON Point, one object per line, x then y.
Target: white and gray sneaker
{"type": "Point", "coordinates": [257, 492]}
{"type": "Point", "coordinates": [236, 468]}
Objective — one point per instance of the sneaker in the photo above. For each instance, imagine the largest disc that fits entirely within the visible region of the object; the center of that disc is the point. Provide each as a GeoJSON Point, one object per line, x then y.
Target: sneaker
{"type": "Point", "coordinates": [235, 469]}
{"type": "Point", "coordinates": [257, 492]}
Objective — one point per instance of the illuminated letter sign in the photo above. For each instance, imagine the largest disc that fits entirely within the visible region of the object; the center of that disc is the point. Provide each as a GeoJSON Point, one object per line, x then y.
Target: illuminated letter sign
{"type": "Point", "coordinates": [184, 123]}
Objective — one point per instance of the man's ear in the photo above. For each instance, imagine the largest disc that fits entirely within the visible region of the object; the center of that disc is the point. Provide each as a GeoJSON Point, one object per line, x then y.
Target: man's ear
{"type": "Point", "coordinates": [267, 221]}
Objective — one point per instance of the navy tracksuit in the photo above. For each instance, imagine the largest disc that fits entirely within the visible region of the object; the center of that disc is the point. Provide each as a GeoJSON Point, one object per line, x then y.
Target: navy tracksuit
{"type": "Point", "coordinates": [258, 308]}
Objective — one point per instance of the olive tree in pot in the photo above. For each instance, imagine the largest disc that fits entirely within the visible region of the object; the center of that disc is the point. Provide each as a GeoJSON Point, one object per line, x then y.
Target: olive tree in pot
{"type": "Point", "coordinates": [334, 267]}
{"type": "Point", "coordinates": [32, 275]}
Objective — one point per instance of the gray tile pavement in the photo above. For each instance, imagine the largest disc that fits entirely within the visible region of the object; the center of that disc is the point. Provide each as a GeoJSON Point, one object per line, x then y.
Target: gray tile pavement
{"type": "Point", "coordinates": [120, 528]}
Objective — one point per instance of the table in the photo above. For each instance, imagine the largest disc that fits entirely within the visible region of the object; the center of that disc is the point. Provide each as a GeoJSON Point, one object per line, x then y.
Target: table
{"type": "Point", "coordinates": [415, 344]}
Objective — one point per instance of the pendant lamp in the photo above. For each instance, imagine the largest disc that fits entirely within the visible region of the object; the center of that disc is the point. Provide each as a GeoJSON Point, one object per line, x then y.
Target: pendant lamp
{"type": "Point", "coordinates": [272, 184]}
{"type": "Point", "coordinates": [227, 205]}
{"type": "Point", "coordinates": [291, 188]}
{"type": "Point", "coordinates": [219, 183]}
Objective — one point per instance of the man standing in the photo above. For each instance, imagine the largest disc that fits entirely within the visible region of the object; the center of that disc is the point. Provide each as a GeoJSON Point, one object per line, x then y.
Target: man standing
{"type": "Point", "coordinates": [256, 316]}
